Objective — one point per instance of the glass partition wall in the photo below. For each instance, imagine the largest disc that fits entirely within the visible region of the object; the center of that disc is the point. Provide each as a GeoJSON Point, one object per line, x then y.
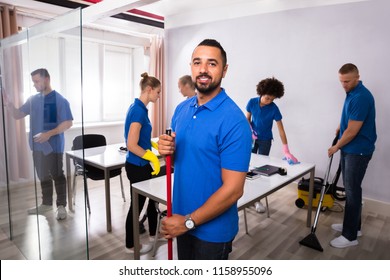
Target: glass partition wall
{"type": "Point", "coordinates": [96, 68]}
{"type": "Point", "coordinates": [29, 174]}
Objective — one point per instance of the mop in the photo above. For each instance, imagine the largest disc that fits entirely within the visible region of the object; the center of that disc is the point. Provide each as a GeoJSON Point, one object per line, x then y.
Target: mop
{"type": "Point", "coordinates": [169, 195]}
{"type": "Point", "coordinates": [311, 240]}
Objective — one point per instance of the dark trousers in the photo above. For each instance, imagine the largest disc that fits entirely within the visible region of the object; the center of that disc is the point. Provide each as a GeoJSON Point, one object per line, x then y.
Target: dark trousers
{"type": "Point", "coordinates": [262, 147]}
{"type": "Point", "coordinates": [190, 247]}
{"type": "Point", "coordinates": [353, 168]}
{"type": "Point", "coordinates": [137, 174]}
{"type": "Point", "coordinates": [49, 168]}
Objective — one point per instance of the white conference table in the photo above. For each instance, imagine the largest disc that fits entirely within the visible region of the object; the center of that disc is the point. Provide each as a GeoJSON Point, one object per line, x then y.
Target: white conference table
{"type": "Point", "coordinates": [105, 158]}
{"type": "Point", "coordinates": [253, 190]}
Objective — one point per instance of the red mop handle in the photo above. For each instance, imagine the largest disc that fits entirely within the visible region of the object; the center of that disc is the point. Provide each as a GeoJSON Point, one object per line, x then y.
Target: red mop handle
{"type": "Point", "coordinates": [169, 195]}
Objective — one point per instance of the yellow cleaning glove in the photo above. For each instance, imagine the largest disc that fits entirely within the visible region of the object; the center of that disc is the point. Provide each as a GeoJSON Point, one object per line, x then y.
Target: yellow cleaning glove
{"type": "Point", "coordinates": [150, 156]}
{"type": "Point", "coordinates": [154, 145]}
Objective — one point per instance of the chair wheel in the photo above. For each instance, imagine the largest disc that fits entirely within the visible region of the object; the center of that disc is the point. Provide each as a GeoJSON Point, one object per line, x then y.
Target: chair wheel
{"type": "Point", "coordinates": [299, 203]}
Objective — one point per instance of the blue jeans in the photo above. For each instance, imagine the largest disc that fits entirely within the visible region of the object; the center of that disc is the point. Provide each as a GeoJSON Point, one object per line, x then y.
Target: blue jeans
{"type": "Point", "coordinates": [190, 247]}
{"type": "Point", "coordinates": [353, 168]}
{"type": "Point", "coordinates": [262, 147]}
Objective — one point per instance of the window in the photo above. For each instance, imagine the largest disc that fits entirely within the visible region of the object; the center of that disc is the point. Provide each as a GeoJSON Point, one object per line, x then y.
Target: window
{"type": "Point", "coordinates": [108, 87]}
{"type": "Point", "coordinates": [117, 86]}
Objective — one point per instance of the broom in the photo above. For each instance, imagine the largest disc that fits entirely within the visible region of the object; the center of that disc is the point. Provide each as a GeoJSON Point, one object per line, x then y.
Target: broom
{"type": "Point", "coordinates": [169, 195]}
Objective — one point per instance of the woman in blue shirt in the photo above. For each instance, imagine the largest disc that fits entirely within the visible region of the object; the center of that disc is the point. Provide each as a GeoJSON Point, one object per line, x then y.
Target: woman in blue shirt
{"type": "Point", "coordinates": [138, 130]}
{"type": "Point", "coordinates": [261, 112]}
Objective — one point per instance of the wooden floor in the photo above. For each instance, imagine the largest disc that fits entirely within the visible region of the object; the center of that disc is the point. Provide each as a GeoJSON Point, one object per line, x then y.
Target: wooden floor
{"type": "Point", "coordinates": [274, 238]}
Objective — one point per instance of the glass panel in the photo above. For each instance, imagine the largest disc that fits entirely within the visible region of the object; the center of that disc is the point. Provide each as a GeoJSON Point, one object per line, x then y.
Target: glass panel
{"type": "Point", "coordinates": [47, 101]}
{"type": "Point", "coordinates": [92, 68]}
{"type": "Point", "coordinates": [17, 173]}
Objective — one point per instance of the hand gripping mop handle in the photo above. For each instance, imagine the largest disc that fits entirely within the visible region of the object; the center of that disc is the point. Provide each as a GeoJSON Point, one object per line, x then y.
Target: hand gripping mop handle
{"type": "Point", "coordinates": [169, 193]}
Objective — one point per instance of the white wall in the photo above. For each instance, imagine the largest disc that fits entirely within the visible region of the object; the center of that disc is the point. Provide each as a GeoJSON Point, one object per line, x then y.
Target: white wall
{"type": "Point", "coordinates": [304, 48]}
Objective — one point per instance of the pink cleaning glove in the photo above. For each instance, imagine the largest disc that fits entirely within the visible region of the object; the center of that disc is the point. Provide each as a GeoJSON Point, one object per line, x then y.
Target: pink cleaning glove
{"type": "Point", "coordinates": [254, 134]}
{"type": "Point", "coordinates": [289, 157]}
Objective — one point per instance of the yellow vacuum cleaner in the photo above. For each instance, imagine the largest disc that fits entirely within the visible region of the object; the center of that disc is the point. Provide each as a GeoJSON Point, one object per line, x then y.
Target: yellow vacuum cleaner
{"type": "Point", "coordinates": [303, 194]}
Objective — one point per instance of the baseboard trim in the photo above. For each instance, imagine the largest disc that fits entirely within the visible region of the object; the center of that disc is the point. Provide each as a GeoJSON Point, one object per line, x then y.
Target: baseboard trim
{"type": "Point", "coordinates": [376, 206]}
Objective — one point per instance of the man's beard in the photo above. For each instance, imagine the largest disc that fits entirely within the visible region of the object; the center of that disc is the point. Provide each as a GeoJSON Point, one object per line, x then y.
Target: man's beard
{"type": "Point", "coordinates": [206, 90]}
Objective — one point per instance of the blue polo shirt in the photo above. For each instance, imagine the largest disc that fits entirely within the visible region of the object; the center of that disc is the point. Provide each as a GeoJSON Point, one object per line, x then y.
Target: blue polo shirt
{"type": "Point", "coordinates": [359, 105]}
{"type": "Point", "coordinates": [138, 112]}
{"type": "Point", "coordinates": [263, 117]}
{"type": "Point", "coordinates": [210, 137]}
{"type": "Point", "coordinates": [46, 113]}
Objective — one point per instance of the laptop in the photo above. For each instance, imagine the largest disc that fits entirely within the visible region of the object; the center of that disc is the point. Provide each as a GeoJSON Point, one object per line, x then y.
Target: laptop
{"type": "Point", "coordinates": [266, 170]}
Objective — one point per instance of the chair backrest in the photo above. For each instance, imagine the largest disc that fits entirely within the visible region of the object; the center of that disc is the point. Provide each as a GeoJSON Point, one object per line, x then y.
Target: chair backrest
{"type": "Point", "coordinates": [88, 141]}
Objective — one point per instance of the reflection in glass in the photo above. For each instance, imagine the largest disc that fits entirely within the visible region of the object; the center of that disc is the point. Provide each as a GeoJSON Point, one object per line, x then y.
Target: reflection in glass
{"type": "Point", "coordinates": [36, 121]}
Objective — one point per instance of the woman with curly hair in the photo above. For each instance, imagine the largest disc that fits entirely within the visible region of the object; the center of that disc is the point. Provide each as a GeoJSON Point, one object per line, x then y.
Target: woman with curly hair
{"type": "Point", "coordinates": [261, 112]}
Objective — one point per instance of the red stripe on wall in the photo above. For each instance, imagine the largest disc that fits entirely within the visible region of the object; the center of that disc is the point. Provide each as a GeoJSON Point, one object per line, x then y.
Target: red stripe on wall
{"type": "Point", "coordinates": [93, 1]}
{"type": "Point", "coordinates": [134, 11]}
{"type": "Point", "coordinates": [146, 14]}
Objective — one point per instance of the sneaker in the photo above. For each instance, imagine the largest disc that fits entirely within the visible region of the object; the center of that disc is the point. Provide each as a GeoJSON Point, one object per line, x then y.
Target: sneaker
{"type": "Point", "coordinates": [145, 248]}
{"type": "Point", "coordinates": [342, 242]}
{"type": "Point", "coordinates": [259, 207]}
{"type": "Point", "coordinates": [61, 213]}
{"type": "Point", "coordinates": [40, 209]}
{"type": "Point", "coordinates": [339, 228]}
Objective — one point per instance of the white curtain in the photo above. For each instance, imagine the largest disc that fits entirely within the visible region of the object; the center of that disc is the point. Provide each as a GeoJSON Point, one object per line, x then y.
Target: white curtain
{"type": "Point", "coordinates": [156, 69]}
{"type": "Point", "coordinates": [13, 140]}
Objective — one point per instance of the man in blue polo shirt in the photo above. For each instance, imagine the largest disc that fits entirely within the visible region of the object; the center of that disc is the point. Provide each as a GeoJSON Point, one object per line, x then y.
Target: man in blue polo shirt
{"type": "Point", "coordinates": [50, 116]}
{"type": "Point", "coordinates": [357, 136]}
{"type": "Point", "coordinates": [211, 143]}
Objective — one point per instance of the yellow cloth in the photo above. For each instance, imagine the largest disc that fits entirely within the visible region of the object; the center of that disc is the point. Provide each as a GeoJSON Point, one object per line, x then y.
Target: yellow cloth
{"type": "Point", "coordinates": [150, 156]}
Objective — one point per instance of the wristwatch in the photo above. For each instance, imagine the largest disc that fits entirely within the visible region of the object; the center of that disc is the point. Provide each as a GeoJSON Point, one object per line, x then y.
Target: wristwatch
{"type": "Point", "coordinates": [189, 223]}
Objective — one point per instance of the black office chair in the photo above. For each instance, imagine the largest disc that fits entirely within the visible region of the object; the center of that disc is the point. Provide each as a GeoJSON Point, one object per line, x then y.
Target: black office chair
{"type": "Point", "coordinates": [90, 141]}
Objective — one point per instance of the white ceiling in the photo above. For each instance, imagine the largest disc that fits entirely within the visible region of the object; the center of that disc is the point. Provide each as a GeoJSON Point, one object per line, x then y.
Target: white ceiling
{"type": "Point", "coordinates": [163, 8]}
{"type": "Point", "coordinates": [187, 12]}
{"type": "Point", "coordinates": [168, 8]}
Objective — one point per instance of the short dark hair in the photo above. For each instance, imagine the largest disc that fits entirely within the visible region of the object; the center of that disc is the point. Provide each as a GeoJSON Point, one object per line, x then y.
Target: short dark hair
{"type": "Point", "coordinates": [270, 86]}
{"type": "Point", "coordinates": [42, 72]}
{"type": "Point", "coordinates": [216, 44]}
{"type": "Point", "coordinates": [348, 68]}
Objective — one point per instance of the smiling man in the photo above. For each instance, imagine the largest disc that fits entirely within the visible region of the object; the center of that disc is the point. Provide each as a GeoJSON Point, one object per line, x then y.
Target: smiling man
{"type": "Point", "coordinates": [211, 144]}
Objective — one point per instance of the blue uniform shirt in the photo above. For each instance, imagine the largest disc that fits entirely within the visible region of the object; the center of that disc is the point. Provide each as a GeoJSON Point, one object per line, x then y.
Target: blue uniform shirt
{"type": "Point", "coordinates": [46, 113]}
{"type": "Point", "coordinates": [263, 117]}
{"type": "Point", "coordinates": [359, 105]}
{"type": "Point", "coordinates": [210, 137]}
{"type": "Point", "coordinates": [138, 112]}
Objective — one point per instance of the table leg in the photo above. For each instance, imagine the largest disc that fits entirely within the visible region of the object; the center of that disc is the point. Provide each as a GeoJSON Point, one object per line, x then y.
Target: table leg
{"type": "Point", "coordinates": [108, 199]}
{"type": "Point", "coordinates": [134, 204]}
{"type": "Point", "coordinates": [310, 202]}
{"type": "Point", "coordinates": [246, 222]}
{"type": "Point", "coordinates": [69, 184]}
